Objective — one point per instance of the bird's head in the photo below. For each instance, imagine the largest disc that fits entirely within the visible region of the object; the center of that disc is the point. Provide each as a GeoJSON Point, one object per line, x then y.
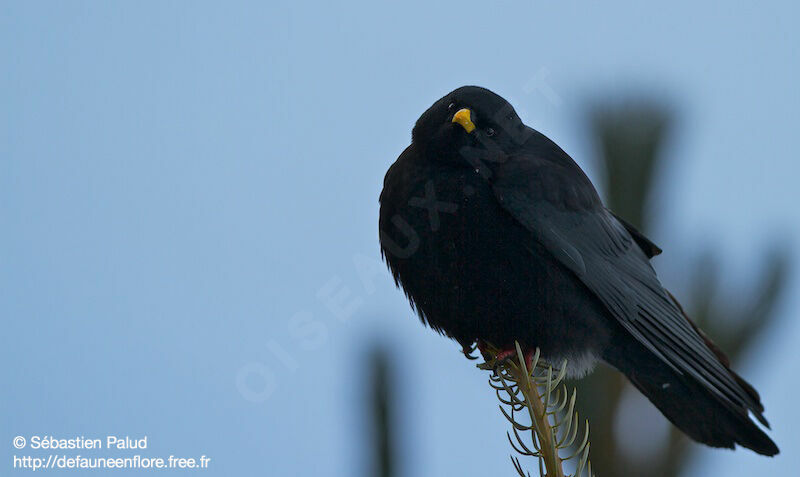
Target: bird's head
{"type": "Point", "coordinates": [469, 123]}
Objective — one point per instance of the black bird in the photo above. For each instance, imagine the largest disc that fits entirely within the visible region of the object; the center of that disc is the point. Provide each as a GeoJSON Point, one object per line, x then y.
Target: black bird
{"type": "Point", "coordinates": [496, 236]}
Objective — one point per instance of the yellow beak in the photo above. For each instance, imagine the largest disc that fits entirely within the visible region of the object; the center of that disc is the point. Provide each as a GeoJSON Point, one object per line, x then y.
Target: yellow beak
{"type": "Point", "coordinates": [464, 118]}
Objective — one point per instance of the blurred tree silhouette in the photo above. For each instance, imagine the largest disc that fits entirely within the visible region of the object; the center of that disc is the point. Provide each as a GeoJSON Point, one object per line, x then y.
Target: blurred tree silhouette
{"type": "Point", "coordinates": [381, 397]}
{"type": "Point", "coordinates": [629, 137]}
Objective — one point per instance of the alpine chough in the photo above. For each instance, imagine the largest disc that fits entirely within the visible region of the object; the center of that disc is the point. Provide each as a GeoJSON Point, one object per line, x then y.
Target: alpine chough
{"type": "Point", "coordinates": [496, 236]}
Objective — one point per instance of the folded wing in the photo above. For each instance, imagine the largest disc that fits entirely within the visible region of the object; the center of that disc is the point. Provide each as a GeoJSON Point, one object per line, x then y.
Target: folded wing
{"type": "Point", "coordinates": [568, 219]}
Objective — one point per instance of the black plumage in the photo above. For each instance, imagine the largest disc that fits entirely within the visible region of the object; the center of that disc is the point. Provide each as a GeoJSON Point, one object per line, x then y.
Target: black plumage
{"type": "Point", "coordinates": [496, 235]}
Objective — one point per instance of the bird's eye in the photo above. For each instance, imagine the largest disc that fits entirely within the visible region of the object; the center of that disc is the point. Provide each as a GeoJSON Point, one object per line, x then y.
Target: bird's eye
{"type": "Point", "coordinates": [451, 106]}
{"type": "Point", "coordinates": [490, 132]}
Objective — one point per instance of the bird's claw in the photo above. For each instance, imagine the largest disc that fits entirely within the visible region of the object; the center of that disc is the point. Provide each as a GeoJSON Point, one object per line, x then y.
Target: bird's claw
{"type": "Point", "coordinates": [468, 349]}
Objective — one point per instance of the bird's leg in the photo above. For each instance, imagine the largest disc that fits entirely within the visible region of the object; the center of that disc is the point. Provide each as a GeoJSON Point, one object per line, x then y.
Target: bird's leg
{"type": "Point", "coordinates": [483, 347]}
{"type": "Point", "coordinates": [505, 354]}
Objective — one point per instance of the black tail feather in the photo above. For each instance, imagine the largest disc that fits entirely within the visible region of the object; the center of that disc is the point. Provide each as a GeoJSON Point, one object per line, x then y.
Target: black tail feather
{"type": "Point", "coordinates": [685, 402]}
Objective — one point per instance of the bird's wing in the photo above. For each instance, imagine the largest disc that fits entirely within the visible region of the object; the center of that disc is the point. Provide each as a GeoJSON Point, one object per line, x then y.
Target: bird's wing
{"type": "Point", "coordinates": [648, 247]}
{"type": "Point", "coordinates": [558, 205]}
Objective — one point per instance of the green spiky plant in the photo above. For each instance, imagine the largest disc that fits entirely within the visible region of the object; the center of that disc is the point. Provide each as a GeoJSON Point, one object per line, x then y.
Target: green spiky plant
{"type": "Point", "coordinates": [537, 389]}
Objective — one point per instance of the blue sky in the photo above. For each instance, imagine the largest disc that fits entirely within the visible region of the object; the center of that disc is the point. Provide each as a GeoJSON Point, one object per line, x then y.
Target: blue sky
{"type": "Point", "coordinates": [188, 206]}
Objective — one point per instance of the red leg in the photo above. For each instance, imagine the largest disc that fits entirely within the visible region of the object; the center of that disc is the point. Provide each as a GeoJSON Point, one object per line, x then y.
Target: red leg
{"type": "Point", "coordinates": [506, 354]}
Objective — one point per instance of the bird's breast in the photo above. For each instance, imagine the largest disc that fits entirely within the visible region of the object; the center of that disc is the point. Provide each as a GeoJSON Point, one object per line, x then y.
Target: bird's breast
{"type": "Point", "coordinates": [470, 269]}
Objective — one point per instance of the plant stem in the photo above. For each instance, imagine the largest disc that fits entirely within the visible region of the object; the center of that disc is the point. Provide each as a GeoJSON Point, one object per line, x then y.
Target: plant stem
{"type": "Point", "coordinates": [536, 408]}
